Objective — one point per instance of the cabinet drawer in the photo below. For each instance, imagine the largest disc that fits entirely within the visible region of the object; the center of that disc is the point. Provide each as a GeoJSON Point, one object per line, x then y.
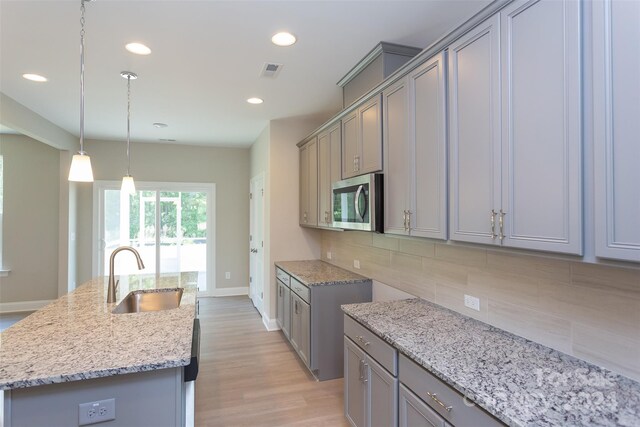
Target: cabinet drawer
{"type": "Point", "coordinates": [432, 390]}
{"type": "Point", "coordinates": [282, 276]}
{"type": "Point", "coordinates": [382, 352]}
{"type": "Point", "coordinates": [300, 289]}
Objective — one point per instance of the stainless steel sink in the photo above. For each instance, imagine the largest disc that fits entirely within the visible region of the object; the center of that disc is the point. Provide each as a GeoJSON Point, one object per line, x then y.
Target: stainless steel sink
{"type": "Point", "coordinates": [150, 300]}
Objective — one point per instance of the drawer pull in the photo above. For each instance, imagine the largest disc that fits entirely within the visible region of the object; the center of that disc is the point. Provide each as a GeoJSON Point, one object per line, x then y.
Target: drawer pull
{"type": "Point", "coordinates": [362, 340]}
{"type": "Point", "coordinates": [434, 397]}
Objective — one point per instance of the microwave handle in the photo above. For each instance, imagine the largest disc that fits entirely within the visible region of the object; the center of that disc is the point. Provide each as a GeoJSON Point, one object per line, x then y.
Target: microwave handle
{"type": "Point", "coordinates": [356, 202]}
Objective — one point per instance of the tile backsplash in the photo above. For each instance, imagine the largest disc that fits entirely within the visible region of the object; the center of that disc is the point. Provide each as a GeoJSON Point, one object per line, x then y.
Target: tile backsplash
{"type": "Point", "coordinates": [589, 311]}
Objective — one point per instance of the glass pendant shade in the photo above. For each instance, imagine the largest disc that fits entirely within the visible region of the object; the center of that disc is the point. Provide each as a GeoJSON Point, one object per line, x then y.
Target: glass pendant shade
{"type": "Point", "coordinates": [80, 170]}
{"type": "Point", "coordinates": [128, 185]}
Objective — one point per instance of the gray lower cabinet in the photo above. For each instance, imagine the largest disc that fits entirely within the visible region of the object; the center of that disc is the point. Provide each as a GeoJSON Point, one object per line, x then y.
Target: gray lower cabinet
{"type": "Point", "coordinates": [444, 402]}
{"type": "Point", "coordinates": [300, 327]}
{"type": "Point", "coordinates": [414, 412]}
{"type": "Point", "coordinates": [283, 308]}
{"type": "Point", "coordinates": [370, 391]}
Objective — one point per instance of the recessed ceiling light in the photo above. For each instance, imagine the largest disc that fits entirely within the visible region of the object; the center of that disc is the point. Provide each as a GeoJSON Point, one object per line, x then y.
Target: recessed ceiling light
{"type": "Point", "coordinates": [283, 39]}
{"type": "Point", "coordinates": [255, 101]}
{"type": "Point", "coordinates": [160, 125]}
{"type": "Point", "coordinates": [138, 48]}
{"type": "Point", "coordinates": [167, 140]}
{"type": "Point", "coordinates": [35, 77]}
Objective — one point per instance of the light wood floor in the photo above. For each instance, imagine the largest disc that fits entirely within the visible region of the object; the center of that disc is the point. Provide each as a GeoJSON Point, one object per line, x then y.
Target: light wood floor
{"type": "Point", "coordinates": [251, 377]}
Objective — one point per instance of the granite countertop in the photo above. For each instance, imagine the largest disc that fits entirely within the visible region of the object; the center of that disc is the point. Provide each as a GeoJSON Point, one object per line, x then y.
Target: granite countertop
{"type": "Point", "coordinates": [77, 337]}
{"type": "Point", "coordinates": [316, 272]}
{"type": "Point", "coordinates": [518, 381]}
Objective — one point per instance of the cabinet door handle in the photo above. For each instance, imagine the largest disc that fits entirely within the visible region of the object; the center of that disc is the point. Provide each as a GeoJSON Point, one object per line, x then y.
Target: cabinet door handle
{"type": "Point", "coordinates": [408, 221]}
{"type": "Point", "coordinates": [493, 223]}
{"type": "Point", "coordinates": [357, 163]}
{"type": "Point", "coordinates": [279, 291]}
{"type": "Point", "coordinates": [404, 216]}
{"type": "Point", "coordinates": [295, 306]}
{"type": "Point", "coordinates": [360, 366]}
{"type": "Point", "coordinates": [434, 397]}
{"type": "Point", "coordinates": [501, 222]}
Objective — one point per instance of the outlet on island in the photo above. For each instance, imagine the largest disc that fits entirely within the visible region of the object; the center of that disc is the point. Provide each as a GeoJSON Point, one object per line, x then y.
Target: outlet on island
{"type": "Point", "coordinates": [356, 263]}
{"type": "Point", "coordinates": [96, 412]}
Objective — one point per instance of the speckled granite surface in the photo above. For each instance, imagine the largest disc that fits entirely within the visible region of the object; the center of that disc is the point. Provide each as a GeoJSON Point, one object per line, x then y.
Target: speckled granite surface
{"type": "Point", "coordinates": [315, 273]}
{"type": "Point", "coordinates": [520, 382]}
{"type": "Point", "coordinates": [77, 337]}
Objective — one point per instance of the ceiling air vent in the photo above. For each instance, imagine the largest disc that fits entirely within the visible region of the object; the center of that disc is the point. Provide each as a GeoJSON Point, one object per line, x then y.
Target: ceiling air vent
{"type": "Point", "coordinates": [270, 70]}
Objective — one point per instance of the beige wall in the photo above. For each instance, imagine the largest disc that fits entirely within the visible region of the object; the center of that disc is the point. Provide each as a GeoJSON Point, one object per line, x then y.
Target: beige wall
{"type": "Point", "coordinates": [587, 310]}
{"type": "Point", "coordinates": [228, 168]}
{"type": "Point", "coordinates": [289, 241]}
{"type": "Point", "coordinates": [30, 223]}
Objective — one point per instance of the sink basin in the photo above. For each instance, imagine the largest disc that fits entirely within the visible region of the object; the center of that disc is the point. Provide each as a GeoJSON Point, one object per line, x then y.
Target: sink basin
{"type": "Point", "coordinates": [151, 300]}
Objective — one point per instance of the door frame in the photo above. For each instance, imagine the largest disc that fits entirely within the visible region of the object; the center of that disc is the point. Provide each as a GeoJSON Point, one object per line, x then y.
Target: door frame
{"type": "Point", "coordinates": [98, 207]}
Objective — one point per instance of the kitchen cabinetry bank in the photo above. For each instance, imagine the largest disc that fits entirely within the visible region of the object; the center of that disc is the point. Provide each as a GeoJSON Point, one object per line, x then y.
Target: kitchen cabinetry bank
{"type": "Point", "coordinates": [447, 360]}
{"type": "Point", "coordinates": [76, 351]}
{"type": "Point", "coordinates": [308, 311]}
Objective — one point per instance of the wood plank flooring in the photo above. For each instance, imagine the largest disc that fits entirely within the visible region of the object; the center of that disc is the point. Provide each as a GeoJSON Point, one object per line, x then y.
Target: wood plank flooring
{"type": "Point", "coordinates": [251, 377]}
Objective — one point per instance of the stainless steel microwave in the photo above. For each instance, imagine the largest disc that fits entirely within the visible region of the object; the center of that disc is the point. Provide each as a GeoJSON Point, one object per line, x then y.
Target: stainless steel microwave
{"type": "Point", "coordinates": [358, 203]}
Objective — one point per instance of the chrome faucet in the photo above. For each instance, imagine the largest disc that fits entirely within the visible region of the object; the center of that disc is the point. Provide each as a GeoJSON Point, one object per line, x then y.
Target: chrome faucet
{"type": "Point", "coordinates": [113, 286]}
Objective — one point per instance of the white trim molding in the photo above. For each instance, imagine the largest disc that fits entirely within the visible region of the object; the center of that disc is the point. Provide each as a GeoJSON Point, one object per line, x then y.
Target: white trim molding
{"type": "Point", "coordinates": [270, 324]}
{"type": "Point", "coordinates": [228, 292]}
{"type": "Point", "coordinates": [16, 307]}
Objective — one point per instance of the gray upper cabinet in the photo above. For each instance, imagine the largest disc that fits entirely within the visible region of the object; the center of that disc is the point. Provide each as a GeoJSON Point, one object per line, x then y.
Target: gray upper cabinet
{"type": "Point", "coordinates": [515, 162]}
{"type": "Point", "coordinates": [541, 126]}
{"type": "Point", "coordinates": [309, 183]}
{"type": "Point", "coordinates": [474, 132]}
{"type": "Point", "coordinates": [616, 128]}
{"type": "Point", "coordinates": [415, 153]}
{"type": "Point", "coordinates": [362, 139]}
{"type": "Point", "coordinates": [328, 172]}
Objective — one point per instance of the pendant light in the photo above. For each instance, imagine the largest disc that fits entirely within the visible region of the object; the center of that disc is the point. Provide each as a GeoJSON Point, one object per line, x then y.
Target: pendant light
{"type": "Point", "coordinates": [128, 185]}
{"type": "Point", "coordinates": [80, 170]}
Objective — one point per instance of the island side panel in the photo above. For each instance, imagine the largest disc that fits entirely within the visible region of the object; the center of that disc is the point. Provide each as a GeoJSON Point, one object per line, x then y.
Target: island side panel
{"type": "Point", "coordinates": [142, 399]}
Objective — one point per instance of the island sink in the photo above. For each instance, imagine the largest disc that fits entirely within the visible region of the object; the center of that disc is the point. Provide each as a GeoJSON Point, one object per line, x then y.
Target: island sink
{"type": "Point", "coordinates": [149, 300]}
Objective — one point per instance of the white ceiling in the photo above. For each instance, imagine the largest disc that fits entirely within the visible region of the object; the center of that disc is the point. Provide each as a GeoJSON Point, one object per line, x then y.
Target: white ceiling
{"type": "Point", "coordinates": [205, 61]}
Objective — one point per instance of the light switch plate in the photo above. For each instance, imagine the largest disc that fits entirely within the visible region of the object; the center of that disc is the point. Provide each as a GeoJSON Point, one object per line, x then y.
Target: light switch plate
{"type": "Point", "coordinates": [328, 255]}
{"type": "Point", "coordinates": [227, 275]}
{"type": "Point", "coordinates": [96, 412]}
{"type": "Point", "coordinates": [356, 264]}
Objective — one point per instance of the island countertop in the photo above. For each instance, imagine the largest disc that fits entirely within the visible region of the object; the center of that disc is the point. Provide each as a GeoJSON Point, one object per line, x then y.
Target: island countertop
{"type": "Point", "coordinates": [518, 381]}
{"type": "Point", "coordinates": [77, 337]}
{"type": "Point", "coordinates": [316, 273]}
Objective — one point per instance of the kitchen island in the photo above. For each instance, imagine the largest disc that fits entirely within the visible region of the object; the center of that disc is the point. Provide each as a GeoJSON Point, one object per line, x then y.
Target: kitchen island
{"type": "Point", "coordinates": [517, 381]}
{"type": "Point", "coordinates": [75, 351]}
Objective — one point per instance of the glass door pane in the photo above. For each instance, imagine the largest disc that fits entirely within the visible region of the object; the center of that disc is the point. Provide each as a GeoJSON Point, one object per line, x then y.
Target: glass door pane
{"type": "Point", "coordinates": [130, 221]}
{"type": "Point", "coordinates": [183, 234]}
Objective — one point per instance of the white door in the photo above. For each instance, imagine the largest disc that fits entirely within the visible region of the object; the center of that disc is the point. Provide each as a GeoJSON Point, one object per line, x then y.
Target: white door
{"type": "Point", "coordinates": [256, 243]}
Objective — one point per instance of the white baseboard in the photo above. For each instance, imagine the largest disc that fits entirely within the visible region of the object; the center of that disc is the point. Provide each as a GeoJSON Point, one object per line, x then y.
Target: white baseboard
{"type": "Point", "coordinates": [270, 324]}
{"type": "Point", "coordinates": [229, 292]}
{"type": "Point", "coordinates": [15, 307]}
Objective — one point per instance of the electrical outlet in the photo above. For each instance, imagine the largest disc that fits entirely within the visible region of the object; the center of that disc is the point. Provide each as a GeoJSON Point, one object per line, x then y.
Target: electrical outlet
{"type": "Point", "coordinates": [356, 264]}
{"type": "Point", "coordinates": [328, 255]}
{"type": "Point", "coordinates": [96, 412]}
{"type": "Point", "coordinates": [472, 302]}
{"type": "Point", "coordinates": [227, 275]}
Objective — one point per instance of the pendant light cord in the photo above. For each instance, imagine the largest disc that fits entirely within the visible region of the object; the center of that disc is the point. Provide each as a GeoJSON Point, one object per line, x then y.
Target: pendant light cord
{"type": "Point", "coordinates": [128, 125]}
{"type": "Point", "coordinates": [82, 77]}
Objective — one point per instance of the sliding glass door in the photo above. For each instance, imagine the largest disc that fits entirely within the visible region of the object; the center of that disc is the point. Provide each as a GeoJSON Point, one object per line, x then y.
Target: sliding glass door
{"type": "Point", "coordinates": [169, 224]}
